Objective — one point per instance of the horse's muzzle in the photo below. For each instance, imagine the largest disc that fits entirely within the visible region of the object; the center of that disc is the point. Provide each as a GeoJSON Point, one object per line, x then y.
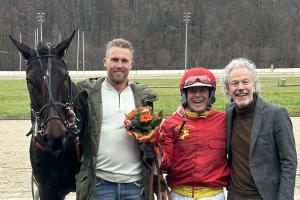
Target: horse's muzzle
{"type": "Point", "coordinates": [56, 144]}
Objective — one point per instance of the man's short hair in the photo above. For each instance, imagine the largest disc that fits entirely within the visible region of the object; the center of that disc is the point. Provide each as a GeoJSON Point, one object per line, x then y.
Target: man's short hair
{"type": "Point", "coordinates": [239, 62]}
{"type": "Point", "coordinates": [120, 43]}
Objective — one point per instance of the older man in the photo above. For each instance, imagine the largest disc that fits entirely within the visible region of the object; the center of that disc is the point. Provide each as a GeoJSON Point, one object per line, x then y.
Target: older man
{"type": "Point", "coordinates": [260, 141]}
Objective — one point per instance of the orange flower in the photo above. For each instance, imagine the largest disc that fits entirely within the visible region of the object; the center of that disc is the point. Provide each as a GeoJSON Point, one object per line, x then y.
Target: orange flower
{"type": "Point", "coordinates": [145, 117]}
{"type": "Point", "coordinates": [148, 107]}
{"type": "Point", "coordinates": [130, 115]}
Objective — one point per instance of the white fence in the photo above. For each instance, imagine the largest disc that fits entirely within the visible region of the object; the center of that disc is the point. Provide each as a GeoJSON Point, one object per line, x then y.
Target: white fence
{"type": "Point", "coordinates": [157, 73]}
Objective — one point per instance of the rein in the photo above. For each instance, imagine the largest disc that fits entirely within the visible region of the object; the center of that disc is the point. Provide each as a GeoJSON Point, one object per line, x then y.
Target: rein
{"type": "Point", "coordinates": [37, 126]}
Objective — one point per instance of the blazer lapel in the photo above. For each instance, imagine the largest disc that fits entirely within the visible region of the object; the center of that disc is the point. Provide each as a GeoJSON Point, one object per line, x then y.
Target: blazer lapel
{"type": "Point", "coordinates": [257, 122]}
{"type": "Point", "coordinates": [229, 113]}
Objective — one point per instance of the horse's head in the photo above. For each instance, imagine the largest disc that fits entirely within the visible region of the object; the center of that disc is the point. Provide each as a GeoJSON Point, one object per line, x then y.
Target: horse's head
{"type": "Point", "coordinates": [50, 90]}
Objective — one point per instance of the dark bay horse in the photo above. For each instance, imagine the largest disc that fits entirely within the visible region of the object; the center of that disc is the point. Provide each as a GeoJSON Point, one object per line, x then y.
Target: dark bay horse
{"type": "Point", "coordinates": [53, 155]}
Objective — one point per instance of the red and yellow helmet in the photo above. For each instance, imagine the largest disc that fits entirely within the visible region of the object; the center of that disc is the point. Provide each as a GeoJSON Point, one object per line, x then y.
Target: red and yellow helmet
{"type": "Point", "coordinates": [197, 77]}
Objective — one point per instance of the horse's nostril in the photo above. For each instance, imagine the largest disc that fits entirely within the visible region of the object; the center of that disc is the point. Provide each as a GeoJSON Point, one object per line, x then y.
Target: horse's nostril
{"type": "Point", "coordinates": [50, 144]}
{"type": "Point", "coordinates": [45, 138]}
{"type": "Point", "coordinates": [46, 141]}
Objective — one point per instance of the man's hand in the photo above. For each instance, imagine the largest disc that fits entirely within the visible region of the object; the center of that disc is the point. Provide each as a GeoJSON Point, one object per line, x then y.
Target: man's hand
{"type": "Point", "coordinates": [180, 111]}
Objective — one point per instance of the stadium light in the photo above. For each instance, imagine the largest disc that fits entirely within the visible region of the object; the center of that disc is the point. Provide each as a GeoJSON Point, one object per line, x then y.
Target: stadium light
{"type": "Point", "coordinates": [41, 19]}
{"type": "Point", "coordinates": [186, 19]}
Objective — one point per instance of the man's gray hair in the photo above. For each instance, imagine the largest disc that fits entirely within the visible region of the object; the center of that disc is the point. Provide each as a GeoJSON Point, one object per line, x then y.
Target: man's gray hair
{"type": "Point", "coordinates": [239, 62]}
{"type": "Point", "coordinates": [120, 43]}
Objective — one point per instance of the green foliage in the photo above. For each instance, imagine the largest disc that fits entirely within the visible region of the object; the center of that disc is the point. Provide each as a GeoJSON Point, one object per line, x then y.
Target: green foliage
{"type": "Point", "coordinates": [14, 99]}
{"type": "Point", "coordinates": [15, 103]}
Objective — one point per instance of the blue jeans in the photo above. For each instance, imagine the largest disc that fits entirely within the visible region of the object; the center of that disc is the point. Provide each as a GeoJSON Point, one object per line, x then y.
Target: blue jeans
{"type": "Point", "coordinates": [119, 191]}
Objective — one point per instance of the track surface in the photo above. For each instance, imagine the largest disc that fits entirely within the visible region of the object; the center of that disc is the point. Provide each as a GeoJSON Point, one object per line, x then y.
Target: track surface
{"type": "Point", "coordinates": [15, 168]}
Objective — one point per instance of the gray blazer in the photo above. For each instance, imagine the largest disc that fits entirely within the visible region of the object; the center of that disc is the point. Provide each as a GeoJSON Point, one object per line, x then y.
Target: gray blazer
{"type": "Point", "coordinates": [272, 156]}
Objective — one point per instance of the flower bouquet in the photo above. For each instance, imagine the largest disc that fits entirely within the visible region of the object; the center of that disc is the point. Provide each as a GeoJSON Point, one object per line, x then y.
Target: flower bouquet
{"type": "Point", "coordinates": [144, 124]}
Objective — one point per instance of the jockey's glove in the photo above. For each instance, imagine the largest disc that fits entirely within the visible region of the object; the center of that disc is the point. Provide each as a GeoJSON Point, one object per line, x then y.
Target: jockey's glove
{"type": "Point", "coordinates": [148, 149]}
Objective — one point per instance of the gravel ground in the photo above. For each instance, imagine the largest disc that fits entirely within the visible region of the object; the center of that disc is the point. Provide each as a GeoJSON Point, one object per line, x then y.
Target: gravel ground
{"type": "Point", "coordinates": [15, 168]}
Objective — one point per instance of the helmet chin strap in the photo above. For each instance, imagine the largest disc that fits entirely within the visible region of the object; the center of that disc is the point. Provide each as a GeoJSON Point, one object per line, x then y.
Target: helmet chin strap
{"type": "Point", "coordinates": [212, 97]}
{"type": "Point", "coordinates": [183, 98]}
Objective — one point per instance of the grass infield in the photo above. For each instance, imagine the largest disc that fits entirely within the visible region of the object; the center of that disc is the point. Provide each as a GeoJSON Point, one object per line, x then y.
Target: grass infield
{"type": "Point", "coordinates": [15, 103]}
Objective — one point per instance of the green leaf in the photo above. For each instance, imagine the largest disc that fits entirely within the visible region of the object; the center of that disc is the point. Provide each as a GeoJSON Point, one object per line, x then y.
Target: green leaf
{"type": "Point", "coordinates": [161, 114]}
{"type": "Point", "coordinates": [147, 127]}
{"type": "Point", "coordinates": [120, 127]}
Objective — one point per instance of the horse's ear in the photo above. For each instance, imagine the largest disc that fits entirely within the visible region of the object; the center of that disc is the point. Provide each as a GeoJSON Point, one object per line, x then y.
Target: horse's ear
{"type": "Point", "coordinates": [64, 45]}
{"type": "Point", "coordinates": [24, 49]}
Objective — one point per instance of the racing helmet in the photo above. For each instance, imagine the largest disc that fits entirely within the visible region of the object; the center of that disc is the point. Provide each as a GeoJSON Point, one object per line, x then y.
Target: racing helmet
{"type": "Point", "coordinates": [198, 77]}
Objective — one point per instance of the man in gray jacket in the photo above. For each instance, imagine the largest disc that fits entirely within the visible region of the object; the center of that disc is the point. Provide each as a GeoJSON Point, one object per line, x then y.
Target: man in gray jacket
{"type": "Point", "coordinates": [260, 140]}
{"type": "Point", "coordinates": [112, 166]}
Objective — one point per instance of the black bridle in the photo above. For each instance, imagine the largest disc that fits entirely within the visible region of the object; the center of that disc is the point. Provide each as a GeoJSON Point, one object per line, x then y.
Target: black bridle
{"type": "Point", "coordinates": [37, 125]}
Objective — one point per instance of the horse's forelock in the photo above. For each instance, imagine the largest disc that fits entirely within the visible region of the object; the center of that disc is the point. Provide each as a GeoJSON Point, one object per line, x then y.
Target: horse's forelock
{"type": "Point", "coordinates": [43, 49]}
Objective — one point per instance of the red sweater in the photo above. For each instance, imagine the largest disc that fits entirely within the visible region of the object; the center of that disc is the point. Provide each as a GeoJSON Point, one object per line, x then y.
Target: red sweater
{"type": "Point", "coordinates": [198, 157]}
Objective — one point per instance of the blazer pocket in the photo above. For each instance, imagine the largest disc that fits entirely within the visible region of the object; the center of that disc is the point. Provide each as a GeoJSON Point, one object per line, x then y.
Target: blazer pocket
{"type": "Point", "coordinates": [82, 185]}
{"type": "Point", "coordinates": [81, 176]}
{"type": "Point", "coordinates": [265, 138]}
{"type": "Point", "coordinates": [265, 133]}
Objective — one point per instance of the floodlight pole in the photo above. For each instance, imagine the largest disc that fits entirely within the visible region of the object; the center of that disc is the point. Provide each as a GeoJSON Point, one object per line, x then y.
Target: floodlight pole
{"type": "Point", "coordinates": [37, 36]}
{"type": "Point", "coordinates": [34, 38]}
{"type": "Point", "coordinates": [77, 52]}
{"type": "Point", "coordinates": [20, 60]}
{"type": "Point", "coordinates": [83, 52]}
{"type": "Point", "coordinates": [41, 18]}
{"type": "Point", "coordinates": [186, 19]}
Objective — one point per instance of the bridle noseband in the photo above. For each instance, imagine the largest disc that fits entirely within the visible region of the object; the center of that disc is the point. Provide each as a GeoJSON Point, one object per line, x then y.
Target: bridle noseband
{"type": "Point", "coordinates": [38, 127]}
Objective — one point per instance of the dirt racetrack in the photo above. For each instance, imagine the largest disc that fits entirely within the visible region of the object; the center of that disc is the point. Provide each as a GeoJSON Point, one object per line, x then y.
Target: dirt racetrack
{"type": "Point", "coordinates": [15, 168]}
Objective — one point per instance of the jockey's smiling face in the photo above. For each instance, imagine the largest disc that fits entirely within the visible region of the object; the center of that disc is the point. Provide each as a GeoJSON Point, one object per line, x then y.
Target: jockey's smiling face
{"type": "Point", "coordinates": [197, 98]}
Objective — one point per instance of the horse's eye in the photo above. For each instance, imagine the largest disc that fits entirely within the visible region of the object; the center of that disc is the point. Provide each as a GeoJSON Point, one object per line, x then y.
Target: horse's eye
{"type": "Point", "coordinates": [29, 82]}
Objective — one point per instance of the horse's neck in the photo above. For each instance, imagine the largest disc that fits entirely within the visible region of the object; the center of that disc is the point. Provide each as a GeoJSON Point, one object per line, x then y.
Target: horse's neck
{"type": "Point", "coordinates": [75, 89]}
